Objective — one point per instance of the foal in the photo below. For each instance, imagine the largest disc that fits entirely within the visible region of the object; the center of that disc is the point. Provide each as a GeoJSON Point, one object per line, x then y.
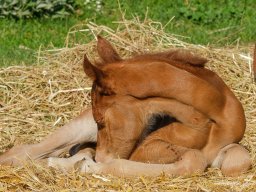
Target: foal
{"type": "Point", "coordinates": [120, 85]}
{"type": "Point", "coordinates": [123, 101]}
{"type": "Point", "coordinates": [197, 98]}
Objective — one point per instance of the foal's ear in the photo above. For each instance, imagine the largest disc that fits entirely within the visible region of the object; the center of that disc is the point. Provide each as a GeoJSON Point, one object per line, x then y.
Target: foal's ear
{"type": "Point", "coordinates": [90, 70]}
{"type": "Point", "coordinates": [105, 50]}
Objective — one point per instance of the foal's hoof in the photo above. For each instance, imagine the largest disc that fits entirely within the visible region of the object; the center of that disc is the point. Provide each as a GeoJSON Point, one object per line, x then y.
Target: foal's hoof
{"type": "Point", "coordinates": [86, 165]}
{"type": "Point", "coordinates": [236, 161]}
{"type": "Point", "coordinates": [233, 160]}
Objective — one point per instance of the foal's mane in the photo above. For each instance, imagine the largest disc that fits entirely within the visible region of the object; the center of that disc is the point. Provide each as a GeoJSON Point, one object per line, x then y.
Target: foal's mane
{"type": "Point", "coordinates": [174, 56]}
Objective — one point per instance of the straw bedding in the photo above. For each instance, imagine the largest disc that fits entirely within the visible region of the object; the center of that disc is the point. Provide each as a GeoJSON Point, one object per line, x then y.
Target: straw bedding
{"type": "Point", "coordinates": [36, 100]}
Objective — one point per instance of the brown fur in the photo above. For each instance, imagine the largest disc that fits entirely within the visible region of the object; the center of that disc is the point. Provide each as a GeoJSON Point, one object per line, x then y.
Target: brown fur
{"type": "Point", "coordinates": [193, 86]}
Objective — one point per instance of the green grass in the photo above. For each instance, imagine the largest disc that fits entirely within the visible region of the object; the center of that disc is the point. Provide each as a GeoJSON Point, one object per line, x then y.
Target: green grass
{"type": "Point", "coordinates": [219, 23]}
{"type": "Point", "coordinates": [20, 40]}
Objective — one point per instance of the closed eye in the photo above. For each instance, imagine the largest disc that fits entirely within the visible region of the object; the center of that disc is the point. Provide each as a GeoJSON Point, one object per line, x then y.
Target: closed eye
{"type": "Point", "coordinates": [105, 93]}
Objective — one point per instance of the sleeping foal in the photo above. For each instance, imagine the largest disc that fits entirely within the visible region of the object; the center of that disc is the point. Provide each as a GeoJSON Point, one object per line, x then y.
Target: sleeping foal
{"type": "Point", "coordinates": [120, 86]}
{"type": "Point", "coordinates": [127, 94]}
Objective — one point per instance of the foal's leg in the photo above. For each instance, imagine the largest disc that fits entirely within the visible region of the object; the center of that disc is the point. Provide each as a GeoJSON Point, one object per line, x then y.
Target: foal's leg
{"type": "Point", "coordinates": [191, 162]}
{"type": "Point", "coordinates": [157, 151]}
{"type": "Point", "coordinates": [68, 164]}
{"type": "Point", "coordinates": [80, 130]}
{"type": "Point", "coordinates": [233, 160]}
{"type": "Point", "coordinates": [169, 143]}
{"type": "Point", "coordinates": [173, 139]}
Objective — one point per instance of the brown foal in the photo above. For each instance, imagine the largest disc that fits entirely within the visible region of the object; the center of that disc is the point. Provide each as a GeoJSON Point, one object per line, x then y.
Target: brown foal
{"type": "Point", "coordinates": [128, 96]}
{"type": "Point", "coordinates": [126, 93]}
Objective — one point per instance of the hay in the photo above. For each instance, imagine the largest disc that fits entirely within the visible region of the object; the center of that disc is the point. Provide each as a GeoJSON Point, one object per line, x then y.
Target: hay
{"type": "Point", "coordinates": [35, 100]}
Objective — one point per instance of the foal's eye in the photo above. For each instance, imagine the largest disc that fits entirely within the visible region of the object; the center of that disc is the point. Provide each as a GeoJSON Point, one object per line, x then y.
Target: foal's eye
{"type": "Point", "coordinates": [104, 93]}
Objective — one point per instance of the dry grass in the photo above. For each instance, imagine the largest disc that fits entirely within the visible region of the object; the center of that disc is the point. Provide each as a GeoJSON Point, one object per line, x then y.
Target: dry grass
{"type": "Point", "coordinates": [36, 100]}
